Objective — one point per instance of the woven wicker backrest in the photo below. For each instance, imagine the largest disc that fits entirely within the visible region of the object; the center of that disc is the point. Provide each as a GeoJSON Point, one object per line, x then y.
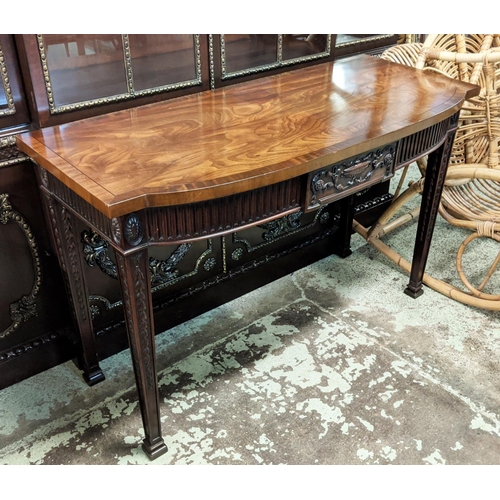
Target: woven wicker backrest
{"type": "Point", "coordinates": [472, 58]}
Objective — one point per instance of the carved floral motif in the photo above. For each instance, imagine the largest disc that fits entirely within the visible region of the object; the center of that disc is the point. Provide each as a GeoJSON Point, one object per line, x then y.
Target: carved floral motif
{"type": "Point", "coordinates": [280, 226]}
{"type": "Point", "coordinates": [96, 251]}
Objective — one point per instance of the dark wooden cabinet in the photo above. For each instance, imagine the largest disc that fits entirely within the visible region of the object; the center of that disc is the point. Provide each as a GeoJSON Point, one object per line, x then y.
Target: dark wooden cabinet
{"type": "Point", "coordinates": [54, 79]}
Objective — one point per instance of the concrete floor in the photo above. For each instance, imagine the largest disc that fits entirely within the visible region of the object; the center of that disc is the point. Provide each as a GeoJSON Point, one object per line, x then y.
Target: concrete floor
{"type": "Point", "coordinates": [330, 365]}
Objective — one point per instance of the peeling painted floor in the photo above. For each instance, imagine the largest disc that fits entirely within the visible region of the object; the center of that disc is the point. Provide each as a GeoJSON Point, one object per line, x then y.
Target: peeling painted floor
{"type": "Point", "coordinates": [330, 365]}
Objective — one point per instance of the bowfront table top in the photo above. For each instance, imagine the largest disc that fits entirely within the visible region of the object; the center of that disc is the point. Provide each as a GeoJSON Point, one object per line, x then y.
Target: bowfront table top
{"type": "Point", "coordinates": [242, 137]}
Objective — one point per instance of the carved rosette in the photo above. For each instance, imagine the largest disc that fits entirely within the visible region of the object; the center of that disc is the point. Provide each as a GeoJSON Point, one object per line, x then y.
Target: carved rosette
{"type": "Point", "coordinates": [116, 230]}
{"type": "Point", "coordinates": [237, 254]}
{"type": "Point", "coordinates": [324, 218]}
{"type": "Point", "coordinates": [24, 308]}
{"type": "Point", "coordinates": [133, 230]}
{"type": "Point", "coordinates": [209, 264]}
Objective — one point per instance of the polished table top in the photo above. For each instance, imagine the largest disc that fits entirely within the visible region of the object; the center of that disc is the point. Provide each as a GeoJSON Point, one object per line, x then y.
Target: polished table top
{"type": "Point", "coordinates": [242, 137]}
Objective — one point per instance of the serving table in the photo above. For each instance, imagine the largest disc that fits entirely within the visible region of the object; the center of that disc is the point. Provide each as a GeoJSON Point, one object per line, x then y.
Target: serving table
{"type": "Point", "coordinates": [207, 164]}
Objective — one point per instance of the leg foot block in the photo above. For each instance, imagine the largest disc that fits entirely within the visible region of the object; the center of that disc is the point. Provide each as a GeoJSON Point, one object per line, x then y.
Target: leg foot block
{"type": "Point", "coordinates": [342, 252]}
{"type": "Point", "coordinates": [94, 377]}
{"type": "Point", "coordinates": [154, 450]}
{"type": "Point", "coordinates": [414, 293]}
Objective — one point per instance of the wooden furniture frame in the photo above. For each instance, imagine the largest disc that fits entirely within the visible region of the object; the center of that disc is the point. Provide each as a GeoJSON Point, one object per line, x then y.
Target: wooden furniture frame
{"type": "Point", "coordinates": [203, 165]}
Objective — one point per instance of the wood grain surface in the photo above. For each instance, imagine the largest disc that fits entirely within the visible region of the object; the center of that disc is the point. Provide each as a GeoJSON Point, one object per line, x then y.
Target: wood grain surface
{"type": "Point", "coordinates": [241, 137]}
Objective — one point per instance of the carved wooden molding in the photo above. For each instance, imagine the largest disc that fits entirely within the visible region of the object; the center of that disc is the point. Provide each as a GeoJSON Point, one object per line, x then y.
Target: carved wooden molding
{"type": "Point", "coordinates": [163, 272]}
{"type": "Point", "coordinates": [414, 146]}
{"type": "Point", "coordinates": [278, 229]}
{"type": "Point", "coordinates": [136, 311]}
{"type": "Point", "coordinates": [199, 220]}
{"type": "Point", "coordinates": [9, 153]}
{"type": "Point", "coordinates": [30, 345]}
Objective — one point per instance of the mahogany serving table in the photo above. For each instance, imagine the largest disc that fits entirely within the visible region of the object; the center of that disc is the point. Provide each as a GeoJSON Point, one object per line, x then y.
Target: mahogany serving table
{"type": "Point", "coordinates": [209, 163]}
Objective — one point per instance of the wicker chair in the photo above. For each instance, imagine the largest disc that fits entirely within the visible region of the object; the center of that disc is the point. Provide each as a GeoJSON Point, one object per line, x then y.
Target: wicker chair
{"type": "Point", "coordinates": [471, 196]}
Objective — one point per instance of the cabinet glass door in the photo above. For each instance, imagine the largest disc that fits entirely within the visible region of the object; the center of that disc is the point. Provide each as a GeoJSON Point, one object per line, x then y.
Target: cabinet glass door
{"type": "Point", "coordinates": [87, 70]}
{"type": "Point", "coordinates": [235, 56]}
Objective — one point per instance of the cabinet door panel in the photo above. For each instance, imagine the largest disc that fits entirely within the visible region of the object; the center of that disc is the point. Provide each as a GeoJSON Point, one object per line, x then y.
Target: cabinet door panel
{"type": "Point", "coordinates": [34, 315]}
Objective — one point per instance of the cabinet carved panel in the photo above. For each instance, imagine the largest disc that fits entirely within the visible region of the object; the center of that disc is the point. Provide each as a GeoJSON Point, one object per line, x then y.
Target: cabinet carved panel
{"type": "Point", "coordinates": [33, 307]}
{"type": "Point", "coordinates": [25, 307]}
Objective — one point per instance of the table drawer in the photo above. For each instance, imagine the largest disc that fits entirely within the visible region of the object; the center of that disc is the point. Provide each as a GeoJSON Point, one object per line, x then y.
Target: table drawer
{"type": "Point", "coordinates": [354, 174]}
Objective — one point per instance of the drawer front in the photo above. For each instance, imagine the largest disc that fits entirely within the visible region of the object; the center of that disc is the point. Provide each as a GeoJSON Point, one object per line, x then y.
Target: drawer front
{"type": "Point", "coordinates": [354, 174]}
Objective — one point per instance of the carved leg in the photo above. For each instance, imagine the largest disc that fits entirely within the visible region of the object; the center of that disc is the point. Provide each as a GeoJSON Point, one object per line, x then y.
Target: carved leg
{"type": "Point", "coordinates": [66, 242]}
{"type": "Point", "coordinates": [133, 271]}
{"type": "Point", "coordinates": [342, 244]}
{"type": "Point", "coordinates": [437, 167]}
